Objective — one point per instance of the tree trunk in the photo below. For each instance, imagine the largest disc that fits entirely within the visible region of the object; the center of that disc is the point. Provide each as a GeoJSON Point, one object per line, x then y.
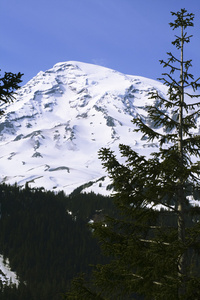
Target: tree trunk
{"type": "Point", "coordinates": [182, 263]}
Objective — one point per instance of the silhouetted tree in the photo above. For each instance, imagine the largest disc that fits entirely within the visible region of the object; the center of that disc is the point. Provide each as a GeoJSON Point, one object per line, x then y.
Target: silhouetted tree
{"type": "Point", "coordinates": [155, 254]}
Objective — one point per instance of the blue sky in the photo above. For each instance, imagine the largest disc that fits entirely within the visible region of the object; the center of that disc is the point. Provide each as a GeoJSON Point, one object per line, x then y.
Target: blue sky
{"type": "Point", "coordinates": [130, 36]}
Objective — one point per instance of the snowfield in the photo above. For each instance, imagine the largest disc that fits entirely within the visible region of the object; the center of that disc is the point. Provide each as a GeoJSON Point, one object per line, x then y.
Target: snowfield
{"type": "Point", "coordinates": [50, 136]}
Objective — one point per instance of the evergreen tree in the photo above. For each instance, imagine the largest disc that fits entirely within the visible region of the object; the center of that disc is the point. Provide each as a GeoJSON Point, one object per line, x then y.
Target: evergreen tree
{"type": "Point", "coordinates": [8, 84]}
{"type": "Point", "coordinates": [154, 254]}
{"type": "Point", "coordinates": [46, 238]}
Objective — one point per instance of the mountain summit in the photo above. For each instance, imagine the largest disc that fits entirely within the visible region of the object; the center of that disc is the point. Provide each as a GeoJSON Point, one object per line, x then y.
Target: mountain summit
{"type": "Point", "coordinates": [51, 134]}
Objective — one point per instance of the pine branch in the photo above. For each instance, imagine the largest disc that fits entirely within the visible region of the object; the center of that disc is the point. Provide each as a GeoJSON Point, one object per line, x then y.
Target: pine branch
{"type": "Point", "coordinates": [173, 82]}
{"type": "Point", "coordinates": [190, 118]}
{"type": "Point", "coordinates": [157, 96]}
{"type": "Point", "coordinates": [156, 115]}
{"type": "Point", "coordinates": [154, 282]}
{"type": "Point", "coordinates": [8, 84]}
{"type": "Point", "coordinates": [151, 134]}
{"type": "Point", "coordinates": [165, 204]}
{"type": "Point", "coordinates": [154, 242]}
{"type": "Point", "coordinates": [193, 144]}
{"type": "Point", "coordinates": [167, 64]}
{"type": "Point", "coordinates": [148, 132]}
{"type": "Point", "coordinates": [193, 96]}
{"type": "Point", "coordinates": [193, 84]}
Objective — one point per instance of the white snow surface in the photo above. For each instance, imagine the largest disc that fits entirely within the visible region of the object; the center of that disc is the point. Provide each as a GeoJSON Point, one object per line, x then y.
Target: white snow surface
{"type": "Point", "coordinates": [6, 275]}
{"type": "Point", "coordinates": [51, 134]}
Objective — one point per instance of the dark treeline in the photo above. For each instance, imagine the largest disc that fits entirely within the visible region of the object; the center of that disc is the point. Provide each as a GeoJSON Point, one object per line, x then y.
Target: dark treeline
{"type": "Point", "coordinates": [47, 239]}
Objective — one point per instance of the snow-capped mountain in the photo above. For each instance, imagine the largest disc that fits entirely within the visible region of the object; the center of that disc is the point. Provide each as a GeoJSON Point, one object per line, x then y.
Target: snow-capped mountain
{"type": "Point", "coordinates": [51, 134]}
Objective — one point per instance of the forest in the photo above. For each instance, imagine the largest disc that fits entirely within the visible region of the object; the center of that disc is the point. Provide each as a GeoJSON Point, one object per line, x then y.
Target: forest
{"type": "Point", "coordinates": [47, 239]}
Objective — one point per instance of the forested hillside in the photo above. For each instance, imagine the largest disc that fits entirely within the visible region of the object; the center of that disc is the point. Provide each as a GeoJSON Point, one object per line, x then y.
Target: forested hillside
{"type": "Point", "coordinates": [47, 239]}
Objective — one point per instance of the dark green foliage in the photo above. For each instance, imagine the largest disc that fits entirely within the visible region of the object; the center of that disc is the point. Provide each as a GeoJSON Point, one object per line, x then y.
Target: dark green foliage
{"type": "Point", "coordinates": [46, 245]}
{"type": "Point", "coordinates": [8, 84]}
{"type": "Point", "coordinates": [153, 243]}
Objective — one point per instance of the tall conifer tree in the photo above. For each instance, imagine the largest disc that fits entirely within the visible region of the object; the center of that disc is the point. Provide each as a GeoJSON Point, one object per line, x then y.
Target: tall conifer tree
{"type": "Point", "coordinates": [155, 253]}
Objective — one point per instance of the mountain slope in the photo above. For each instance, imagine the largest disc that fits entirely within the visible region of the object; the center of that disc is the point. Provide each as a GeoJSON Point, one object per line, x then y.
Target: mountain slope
{"type": "Point", "coordinates": [51, 134]}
